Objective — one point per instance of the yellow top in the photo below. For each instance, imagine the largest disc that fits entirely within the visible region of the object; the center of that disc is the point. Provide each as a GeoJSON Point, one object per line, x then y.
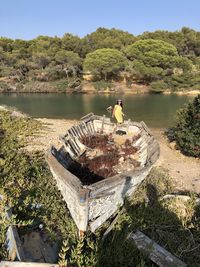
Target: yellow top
{"type": "Point", "coordinates": [118, 113]}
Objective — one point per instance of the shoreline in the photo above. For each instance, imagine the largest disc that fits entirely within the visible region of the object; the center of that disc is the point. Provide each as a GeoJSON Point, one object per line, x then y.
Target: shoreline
{"type": "Point", "coordinates": [104, 92]}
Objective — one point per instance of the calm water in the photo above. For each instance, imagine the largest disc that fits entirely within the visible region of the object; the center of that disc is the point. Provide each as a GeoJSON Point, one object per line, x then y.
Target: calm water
{"type": "Point", "coordinates": [155, 110]}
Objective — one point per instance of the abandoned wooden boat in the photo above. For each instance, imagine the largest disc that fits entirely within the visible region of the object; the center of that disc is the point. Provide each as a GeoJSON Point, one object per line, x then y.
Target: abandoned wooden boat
{"type": "Point", "coordinates": [94, 194]}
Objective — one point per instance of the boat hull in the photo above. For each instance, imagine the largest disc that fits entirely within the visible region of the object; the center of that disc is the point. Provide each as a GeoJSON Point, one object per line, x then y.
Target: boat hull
{"type": "Point", "coordinates": [91, 205]}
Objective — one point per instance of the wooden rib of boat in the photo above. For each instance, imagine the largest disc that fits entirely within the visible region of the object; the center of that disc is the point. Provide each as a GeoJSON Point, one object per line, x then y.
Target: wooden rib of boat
{"type": "Point", "coordinates": [91, 204]}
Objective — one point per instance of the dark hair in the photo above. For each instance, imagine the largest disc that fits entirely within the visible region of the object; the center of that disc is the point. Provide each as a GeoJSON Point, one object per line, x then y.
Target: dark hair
{"type": "Point", "coordinates": [119, 102]}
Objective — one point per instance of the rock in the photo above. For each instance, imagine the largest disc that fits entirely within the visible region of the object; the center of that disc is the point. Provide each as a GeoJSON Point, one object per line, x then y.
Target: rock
{"type": "Point", "coordinates": [173, 145]}
{"type": "Point", "coordinates": [2, 108]}
{"type": "Point", "coordinates": [18, 114]}
{"type": "Point", "coordinates": [133, 157]}
{"type": "Point", "coordinates": [121, 160]}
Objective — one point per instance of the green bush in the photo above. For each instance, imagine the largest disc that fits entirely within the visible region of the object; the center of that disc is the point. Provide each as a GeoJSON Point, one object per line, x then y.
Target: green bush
{"type": "Point", "coordinates": [187, 81]}
{"type": "Point", "coordinates": [3, 86]}
{"type": "Point", "coordinates": [5, 71]}
{"type": "Point", "coordinates": [186, 131]}
{"type": "Point", "coordinates": [60, 85]}
{"type": "Point", "coordinates": [54, 73]}
{"type": "Point", "coordinates": [101, 85]}
{"type": "Point", "coordinates": [158, 86]}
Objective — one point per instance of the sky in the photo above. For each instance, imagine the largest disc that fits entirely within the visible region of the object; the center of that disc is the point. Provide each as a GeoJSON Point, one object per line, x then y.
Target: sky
{"type": "Point", "coordinates": [27, 19]}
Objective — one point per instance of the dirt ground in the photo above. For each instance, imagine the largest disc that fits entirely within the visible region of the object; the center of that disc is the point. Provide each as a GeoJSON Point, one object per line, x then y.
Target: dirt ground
{"type": "Point", "coordinates": [185, 171]}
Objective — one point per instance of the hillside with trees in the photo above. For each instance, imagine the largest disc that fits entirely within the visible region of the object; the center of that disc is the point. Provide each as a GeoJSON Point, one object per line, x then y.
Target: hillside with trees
{"type": "Point", "coordinates": [159, 60]}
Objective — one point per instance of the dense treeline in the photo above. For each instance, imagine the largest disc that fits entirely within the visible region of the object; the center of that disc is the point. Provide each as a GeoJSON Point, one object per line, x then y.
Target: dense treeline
{"type": "Point", "coordinates": [161, 59]}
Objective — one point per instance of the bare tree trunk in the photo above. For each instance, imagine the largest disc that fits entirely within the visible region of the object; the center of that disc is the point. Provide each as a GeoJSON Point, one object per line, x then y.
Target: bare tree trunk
{"type": "Point", "coordinates": [66, 72]}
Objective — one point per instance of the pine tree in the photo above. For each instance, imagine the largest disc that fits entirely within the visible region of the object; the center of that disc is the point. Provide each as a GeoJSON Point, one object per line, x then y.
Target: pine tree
{"type": "Point", "coordinates": [187, 129]}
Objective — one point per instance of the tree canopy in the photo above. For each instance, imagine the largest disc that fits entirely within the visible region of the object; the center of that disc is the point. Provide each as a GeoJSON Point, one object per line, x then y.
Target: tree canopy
{"type": "Point", "coordinates": [106, 38]}
{"type": "Point", "coordinates": [153, 59]}
{"type": "Point", "coordinates": [173, 57]}
{"type": "Point", "coordinates": [104, 62]}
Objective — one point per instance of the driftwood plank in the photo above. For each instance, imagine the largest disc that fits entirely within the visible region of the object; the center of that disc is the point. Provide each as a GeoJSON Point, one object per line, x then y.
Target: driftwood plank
{"type": "Point", "coordinates": [156, 253]}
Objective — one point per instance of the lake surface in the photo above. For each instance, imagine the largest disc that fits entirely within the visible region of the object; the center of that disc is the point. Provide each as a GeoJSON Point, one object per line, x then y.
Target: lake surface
{"type": "Point", "coordinates": [156, 110]}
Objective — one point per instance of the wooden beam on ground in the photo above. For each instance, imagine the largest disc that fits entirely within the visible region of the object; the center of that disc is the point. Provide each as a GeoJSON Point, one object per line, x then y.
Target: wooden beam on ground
{"type": "Point", "coordinates": [156, 253]}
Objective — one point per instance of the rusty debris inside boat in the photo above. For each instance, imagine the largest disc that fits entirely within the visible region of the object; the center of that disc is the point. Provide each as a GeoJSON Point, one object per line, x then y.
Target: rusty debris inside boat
{"type": "Point", "coordinates": [105, 156]}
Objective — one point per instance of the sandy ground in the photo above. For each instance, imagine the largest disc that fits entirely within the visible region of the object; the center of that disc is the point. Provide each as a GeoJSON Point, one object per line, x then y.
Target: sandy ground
{"type": "Point", "coordinates": [185, 171]}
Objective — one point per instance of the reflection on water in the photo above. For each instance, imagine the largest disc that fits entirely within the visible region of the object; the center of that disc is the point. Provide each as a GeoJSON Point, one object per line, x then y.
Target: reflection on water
{"type": "Point", "coordinates": [155, 110]}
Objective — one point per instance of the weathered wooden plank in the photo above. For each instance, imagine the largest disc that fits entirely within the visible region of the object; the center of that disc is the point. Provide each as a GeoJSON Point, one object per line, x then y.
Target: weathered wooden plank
{"type": "Point", "coordinates": [143, 159]}
{"type": "Point", "coordinates": [155, 252]}
{"type": "Point", "coordinates": [75, 129]}
{"type": "Point", "coordinates": [68, 149]}
{"type": "Point", "coordinates": [145, 127]}
{"type": "Point", "coordinates": [14, 244]}
{"type": "Point", "coordinates": [71, 133]}
{"type": "Point", "coordinates": [106, 190]}
{"type": "Point", "coordinates": [108, 183]}
{"type": "Point", "coordinates": [81, 146]}
{"type": "Point", "coordinates": [83, 209]}
{"type": "Point", "coordinates": [79, 129]}
{"type": "Point", "coordinates": [26, 264]}
{"type": "Point", "coordinates": [97, 125]}
{"type": "Point", "coordinates": [74, 132]}
{"type": "Point", "coordinates": [138, 142]}
{"type": "Point", "coordinates": [102, 125]}
{"type": "Point", "coordinates": [92, 126]}
{"type": "Point", "coordinates": [73, 142]}
{"type": "Point", "coordinates": [100, 220]}
{"type": "Point", "coordinates": [154, 157]}
{"type": "Point", "coordinates": [87, 117]}
{"type": "Point", "coordinates": [74, 146]}
{"type": "Point", "coordinates": [89, 128]}
{"type": "Point", "coordinates": [152, 149]}
{"type": "Point", "coordinates": [81, 132]}
{"type": "Point", "coordinates": [115, 181]}
{"type": "Point", "coordinates": [84, 128]}
{"type": "Point", "coordinates": [145, 141]}
{"type": "Point", "coordinates": [73, 193]}
{"type": "Point", "coordinates": [111, 181]}
{"type": "Point", "coordinates": [112, 223]}
{"type": "Point", "coordinates": [67, 177]}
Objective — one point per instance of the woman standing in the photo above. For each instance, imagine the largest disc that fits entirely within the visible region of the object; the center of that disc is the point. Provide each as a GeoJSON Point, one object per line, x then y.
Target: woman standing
{"type": "Point", "coordinates": [117, 111]}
